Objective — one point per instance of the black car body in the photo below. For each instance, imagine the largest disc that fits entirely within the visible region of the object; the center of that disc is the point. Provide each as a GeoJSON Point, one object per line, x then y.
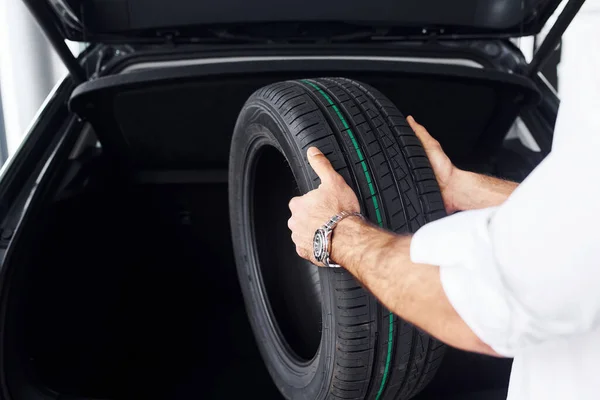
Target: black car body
{"type": "Point", "coordinates": [116, 269]}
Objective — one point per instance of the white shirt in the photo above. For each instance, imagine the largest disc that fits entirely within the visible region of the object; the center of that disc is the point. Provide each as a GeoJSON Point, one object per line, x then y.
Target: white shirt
{"type": "Point", "coordinates": [525, 276]}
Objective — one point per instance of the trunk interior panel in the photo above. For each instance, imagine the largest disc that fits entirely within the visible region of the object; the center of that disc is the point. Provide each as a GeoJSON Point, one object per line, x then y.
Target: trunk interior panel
{"type": "Point", "coordinates": [184, 116]}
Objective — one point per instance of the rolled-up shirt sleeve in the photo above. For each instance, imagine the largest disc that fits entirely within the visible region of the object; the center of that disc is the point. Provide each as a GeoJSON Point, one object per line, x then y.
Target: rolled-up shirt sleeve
{"type": "Point", "coordinates": [528, 271]}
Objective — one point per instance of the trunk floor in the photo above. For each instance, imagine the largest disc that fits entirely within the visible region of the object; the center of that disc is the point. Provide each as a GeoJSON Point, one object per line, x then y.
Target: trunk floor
{"type": "Point", "coordinates": [143, 302]}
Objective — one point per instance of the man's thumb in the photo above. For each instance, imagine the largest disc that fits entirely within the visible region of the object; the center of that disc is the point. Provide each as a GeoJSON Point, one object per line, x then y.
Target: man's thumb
{"type": "Point", "coordinates": [420, 131]}
{"type": "Point", "coordinates": [320, 164]}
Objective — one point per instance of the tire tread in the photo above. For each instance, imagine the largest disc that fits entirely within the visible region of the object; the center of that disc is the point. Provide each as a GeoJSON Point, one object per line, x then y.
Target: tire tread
{"type": "Point", "coordinates": [407, 195]}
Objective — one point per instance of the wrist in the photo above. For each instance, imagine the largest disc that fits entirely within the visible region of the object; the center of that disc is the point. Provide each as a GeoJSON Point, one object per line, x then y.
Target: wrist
{"type": "Point", "coordinates": [454, 195]}
{"type": "Point", "coordinates": [345, 238]}
{"type": "Point", "coordinates": [471, 191]}
{"type": "Point", "coordinates": [357, 241]}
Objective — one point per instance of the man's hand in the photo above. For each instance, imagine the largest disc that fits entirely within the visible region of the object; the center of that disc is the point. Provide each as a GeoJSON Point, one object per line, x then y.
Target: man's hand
{"type": "Point", "coordinates": [461, 190]}
{"type": "Point", "coordinates": [378, 258]}
{"type": "Point", "coordinates": [315, 208]}
{"type": "Point", "coordinates": [445, 171]}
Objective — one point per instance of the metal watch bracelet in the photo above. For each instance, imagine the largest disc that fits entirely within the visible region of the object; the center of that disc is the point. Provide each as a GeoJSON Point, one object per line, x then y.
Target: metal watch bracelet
{"type": "Point", "coordinates": [323, 238]}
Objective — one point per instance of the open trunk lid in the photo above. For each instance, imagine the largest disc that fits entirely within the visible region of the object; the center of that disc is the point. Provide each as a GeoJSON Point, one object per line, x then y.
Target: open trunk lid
{"type": "Point", "coordinates": [159, 22]}
{"type": "Point", "coordinates": [197, 20]}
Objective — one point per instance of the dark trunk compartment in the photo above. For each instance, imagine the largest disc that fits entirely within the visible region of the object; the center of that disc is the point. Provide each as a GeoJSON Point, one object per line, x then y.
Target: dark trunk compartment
{"type": "Point", "coordinates": [126, 286]}
{"type": "Point", "coordinates": [132, 293]}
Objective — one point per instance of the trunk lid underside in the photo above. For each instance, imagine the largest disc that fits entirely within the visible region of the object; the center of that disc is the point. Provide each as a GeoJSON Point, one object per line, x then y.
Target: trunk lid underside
{"type": "Point", "coordinates": [157, 20]}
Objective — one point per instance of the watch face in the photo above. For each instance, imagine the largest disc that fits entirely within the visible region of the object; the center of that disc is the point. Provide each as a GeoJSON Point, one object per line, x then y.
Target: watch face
{"type": "Point", "coordinates": [319, 245]}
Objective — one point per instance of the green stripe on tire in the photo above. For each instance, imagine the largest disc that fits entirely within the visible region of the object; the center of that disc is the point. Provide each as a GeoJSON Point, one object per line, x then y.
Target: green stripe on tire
{"type": "Point", "coordinates": [363, 164]}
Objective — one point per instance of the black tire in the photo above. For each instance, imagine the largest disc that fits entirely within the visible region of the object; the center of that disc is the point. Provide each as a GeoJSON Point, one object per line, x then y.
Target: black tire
{"type": "Point", "coordinates": [320, 333]}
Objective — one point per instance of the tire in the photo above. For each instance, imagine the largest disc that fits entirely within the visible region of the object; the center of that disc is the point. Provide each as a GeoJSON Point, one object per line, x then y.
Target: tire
{"type": "Point", "coordinates": [320, 333]}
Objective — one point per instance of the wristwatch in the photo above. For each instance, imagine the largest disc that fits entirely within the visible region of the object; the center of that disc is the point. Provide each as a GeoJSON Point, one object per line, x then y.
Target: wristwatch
{"type": "Point", "coordinates": [323, 235]}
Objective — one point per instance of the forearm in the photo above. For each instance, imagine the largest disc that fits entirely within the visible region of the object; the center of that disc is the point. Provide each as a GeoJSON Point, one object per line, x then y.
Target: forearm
{"type": "Point", "coordinates": [471, 191]}
{"type": "Point", "coordinates": [381, 261]}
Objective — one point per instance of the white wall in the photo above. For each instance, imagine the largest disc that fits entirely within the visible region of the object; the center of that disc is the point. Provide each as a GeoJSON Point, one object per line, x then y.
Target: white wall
{"type": "Point", "coordinates": [29, 69]}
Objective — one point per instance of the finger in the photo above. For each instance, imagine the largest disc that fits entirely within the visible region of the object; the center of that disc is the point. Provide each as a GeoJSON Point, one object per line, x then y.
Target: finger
{"type": "Point", "coordinates": [291, 224]}
{"type": "Point", "coordinates": [296, 238]}
{"type": "Point", "coordinates": [321, 165]}
{"type": "Point", "coordinates": [293, 203]}
{"type": "Point", "coordinates": [301, 252]}
{"type": "Point", "coordinates": [420, 131]}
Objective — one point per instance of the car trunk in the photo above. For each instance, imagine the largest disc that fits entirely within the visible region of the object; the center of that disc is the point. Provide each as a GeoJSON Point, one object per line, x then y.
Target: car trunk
{"type": "Point", "coordinates": [131, 291]}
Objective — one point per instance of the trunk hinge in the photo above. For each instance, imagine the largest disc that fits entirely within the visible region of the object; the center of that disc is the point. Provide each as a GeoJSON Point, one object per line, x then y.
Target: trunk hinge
{"type": "Point", "coordinates": [552, 39]}
{"type": "Point", "coordinates": [49, 23]}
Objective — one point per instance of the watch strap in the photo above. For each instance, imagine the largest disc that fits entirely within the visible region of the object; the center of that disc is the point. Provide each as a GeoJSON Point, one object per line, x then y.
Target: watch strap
{"type": "Point", "coordinates": [328, 227]}
{"type": "Point", "coordinates": [338, 217]}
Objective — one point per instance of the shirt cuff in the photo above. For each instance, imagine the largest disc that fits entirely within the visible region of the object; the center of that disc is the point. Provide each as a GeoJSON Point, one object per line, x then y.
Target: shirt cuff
{"type": "Point", "coordinates": [460, 245]}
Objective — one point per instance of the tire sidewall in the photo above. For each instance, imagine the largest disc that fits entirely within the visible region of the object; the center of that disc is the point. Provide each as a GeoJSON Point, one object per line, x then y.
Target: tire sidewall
{"type": "Point", "coordinates": [259, 125]}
